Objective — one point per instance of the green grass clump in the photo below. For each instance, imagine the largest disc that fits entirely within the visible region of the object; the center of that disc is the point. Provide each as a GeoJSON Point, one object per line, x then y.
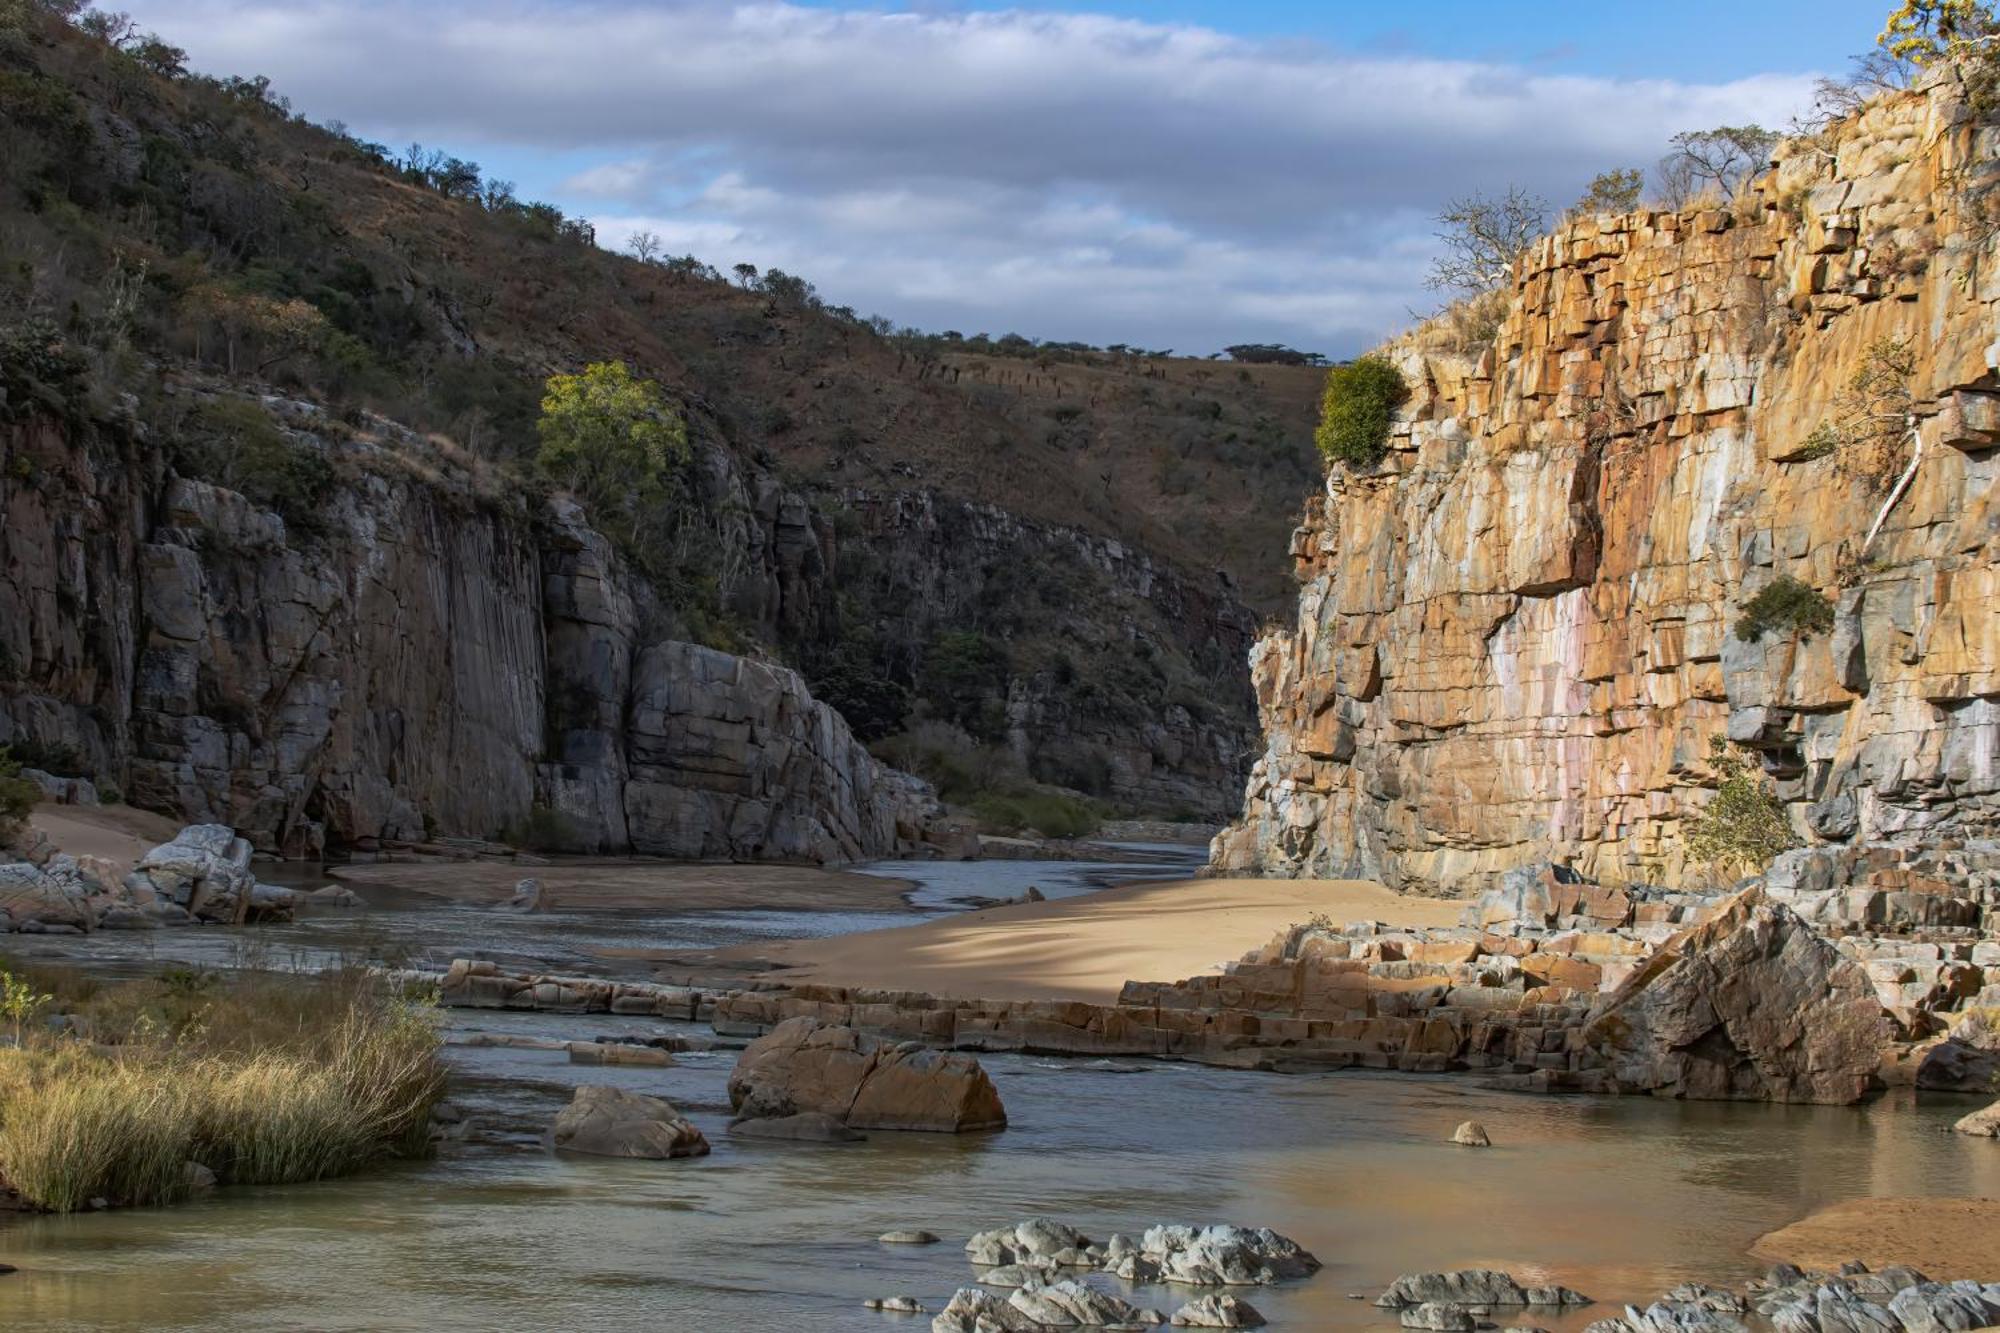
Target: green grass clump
{"type": "Point", "coordinates": [1357, 410]}
{"type": "Point", "coordinates": [268, 1081]}
{"type": "Point", "coordinates": [1052, 814]}
{"type": "Point", "coordinates": [1785, 604]}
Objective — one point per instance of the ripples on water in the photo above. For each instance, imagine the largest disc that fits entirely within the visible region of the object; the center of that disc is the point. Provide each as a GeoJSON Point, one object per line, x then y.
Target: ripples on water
{"type": "Point", "coordinates": [1619, 1198]}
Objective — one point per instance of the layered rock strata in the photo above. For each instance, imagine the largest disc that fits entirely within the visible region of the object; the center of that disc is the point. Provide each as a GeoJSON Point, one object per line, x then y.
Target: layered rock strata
{"type": "Point", "coordinates": [1518, 634]}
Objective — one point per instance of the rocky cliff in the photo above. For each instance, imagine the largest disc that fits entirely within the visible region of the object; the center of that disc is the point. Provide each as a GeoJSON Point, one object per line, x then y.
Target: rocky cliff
{"type": "Point", "coordinates": [433, 654]}
{"type": "Point", "coordinates": [1518, 634]}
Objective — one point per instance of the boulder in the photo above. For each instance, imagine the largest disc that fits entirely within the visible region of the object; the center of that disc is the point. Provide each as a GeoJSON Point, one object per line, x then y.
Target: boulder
{"type": "Point", "coordinates": [610, 1122]}
{"type": "Point", "coordinates": [804, 1065]}
{"type": "Point", "coordinates": [529, 896]}
{"type": "Point", "coordinates": [907, 1236]}
{"type": "Point", "coordinates": [974, 1311]}
{"type": "Point", "coordinates": [1217, 1310]}
{"type": "Point", "coordinates": [205, 871]}
{"type": "Point", "coordinates": [50, 896]}
{"type": "Point", "coordinates": [1967, 1060]}
{"type": "Point", "coordinates": [1069, 1303]}
{"type": "Point", "coordinates": [895, 1305]}
{"type": "Point", "coordinates": [1035, 1239]}
{"type": "Point", "coordinates": [1753, 1004]}
{"type": "Point", "coordinates": [1438, 1316]}
{"type": "Point", "coordinates": [1472, 1134]}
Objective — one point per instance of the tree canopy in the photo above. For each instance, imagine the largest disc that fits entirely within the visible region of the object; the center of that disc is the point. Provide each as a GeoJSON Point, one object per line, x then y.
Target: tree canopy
{"type": "Point", "coordinates": [609, 435]}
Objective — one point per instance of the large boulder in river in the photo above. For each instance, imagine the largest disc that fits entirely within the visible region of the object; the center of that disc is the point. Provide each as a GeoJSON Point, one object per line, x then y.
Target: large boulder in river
{"type": "Point", "coordinates": [205, 871]}
{"type": "Point", "coordinates": [610, 1122]}
{"type": "Point", "coordinates": [1753, 1004]}
{"type": "Point", "coordinates": [804, 1065]}
{"type": "Point", "coordinates": [1981, 1124]}
{"type": "Point", "coordinates": [52, 896]}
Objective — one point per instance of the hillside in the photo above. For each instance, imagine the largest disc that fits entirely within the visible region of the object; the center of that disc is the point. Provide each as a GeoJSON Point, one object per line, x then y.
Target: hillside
{"type": "Point", "coordinates": [1722, 488]}
{"type": "Point", "coordinates": [1040, 559]}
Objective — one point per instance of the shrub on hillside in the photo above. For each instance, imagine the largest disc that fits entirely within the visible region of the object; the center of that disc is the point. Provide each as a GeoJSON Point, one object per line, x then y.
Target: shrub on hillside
{"type": "Point", "coordinates": [17, 796]}
{"type": "Point", "coordinates": [233, 443]}
{"type": "Point", "coordinates": [1785, 604]}
{"type": "Point", "coordinates": [1051, 814]}
{"type": "Point", "coordinates": [1357, 410]}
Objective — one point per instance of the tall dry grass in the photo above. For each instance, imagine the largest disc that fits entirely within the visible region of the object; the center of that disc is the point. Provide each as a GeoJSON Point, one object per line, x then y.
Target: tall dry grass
{"type": "Point", "coordinates": [264, 1082]}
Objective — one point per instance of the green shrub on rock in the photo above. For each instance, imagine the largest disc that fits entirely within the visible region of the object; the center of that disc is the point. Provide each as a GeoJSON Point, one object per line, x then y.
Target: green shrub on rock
{"type": "Point", "coordinates": [1785, 604]}
{"type": "Point", "coordinates": [1743, 828]}
{"type": "Point", "coordinates": [1357, 410]}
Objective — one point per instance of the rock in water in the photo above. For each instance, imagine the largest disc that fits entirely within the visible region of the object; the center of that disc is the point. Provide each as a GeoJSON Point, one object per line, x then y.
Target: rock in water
{"type": "Point", "coordinates": [805, 1065]}
{"type": "Point", "coordinates": [896, 1305]}
{"type": "Point", "coordinates": [610, 1122]}
{"type": "Point", "coordinates": [974, 1311]}
{"type": "Point", "coordinates": [1219, 1256]}
{"type": "Point", "coordinates": [1217, 1310]}
{"type": "Point", "coordinates": [1753, 1004]}
{"type": "Point", "coordinates": [1070, 1303]}
{"type": "Point", "coordinates": [529, 896]}
{"type": "Point", "coordinates": [1038, 1238]}
{"type": "Point", "coordinates": [1982, 1124]}
{"type": "Point", "coordinates": [1438, 1316]}
{"type": "Point", "coordinates": [1472, 1286]}
{"type": "Point", "coordinates": [1472, 1134]}
{"type": "Point", "coordinates": [907, 1236]}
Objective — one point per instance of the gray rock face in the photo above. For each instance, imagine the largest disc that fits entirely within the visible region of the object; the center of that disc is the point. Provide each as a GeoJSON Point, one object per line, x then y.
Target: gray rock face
{"type": "Point", "coordinates": [1752, 1004]}
{"type": "Point", "coordinates": [205, 871]}
{"type": "Point", "coordinates": [610, 1122]}
{"type": "Point", "coordinates": [336, 686]}
{"type": "Point", "coordinates": [1069, 1303]}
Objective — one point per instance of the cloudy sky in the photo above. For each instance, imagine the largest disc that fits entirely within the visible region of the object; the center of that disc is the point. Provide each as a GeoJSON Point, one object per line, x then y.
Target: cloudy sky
{"type": "Point", "coordinates": [1169, 173]}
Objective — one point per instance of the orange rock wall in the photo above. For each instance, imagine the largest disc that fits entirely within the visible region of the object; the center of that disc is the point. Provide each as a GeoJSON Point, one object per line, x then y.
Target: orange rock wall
{"type": "Point", "coordinates": [1514, 637]}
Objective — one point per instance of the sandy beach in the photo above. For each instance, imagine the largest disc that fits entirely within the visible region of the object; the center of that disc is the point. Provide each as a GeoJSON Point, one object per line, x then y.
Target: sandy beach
{"type": "Point", "coordinates": [119, 834]}
{"type": "Point", "coordinates": [608, 885]}
{"type": "Point", "coordinates": [1945, 1239]}
{"type": "Point", "coordinates": [1087, 948]}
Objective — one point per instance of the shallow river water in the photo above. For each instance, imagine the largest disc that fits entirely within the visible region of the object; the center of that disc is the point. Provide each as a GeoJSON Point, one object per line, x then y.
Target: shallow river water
{"type": "Point", "coordinates": [1618, 1198]}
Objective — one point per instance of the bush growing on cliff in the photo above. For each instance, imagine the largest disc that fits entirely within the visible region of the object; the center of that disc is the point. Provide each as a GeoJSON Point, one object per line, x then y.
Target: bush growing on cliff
{"type": "Point", "coordinates": [17, 796]}
{"type": "Point", "coordinates": [610, 437]}
{"type": "Point", "coordinates": [1357, 410]}
{"type": "Point", "coordinates": [1743, 827]}
{"type": "Point", "coordinates": [1785, 604]}
{"type": "Point", "coordinates": [233, 443]}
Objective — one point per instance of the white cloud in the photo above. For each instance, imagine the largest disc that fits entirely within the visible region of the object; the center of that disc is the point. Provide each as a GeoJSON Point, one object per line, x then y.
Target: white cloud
{"type": "Point", "coordinates": [1072, 175]}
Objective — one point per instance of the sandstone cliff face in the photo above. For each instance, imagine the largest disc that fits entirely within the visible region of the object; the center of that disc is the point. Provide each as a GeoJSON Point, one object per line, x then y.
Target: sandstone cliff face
{"type": "Point", "coordinates": [1515, 637]}
{"type": "Point", "coordinates": [430, 658]}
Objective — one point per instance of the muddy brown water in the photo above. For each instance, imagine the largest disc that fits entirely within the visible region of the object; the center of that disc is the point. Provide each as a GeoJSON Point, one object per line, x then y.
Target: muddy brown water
{"type": "Point", "coordinates": [1618, 1198]}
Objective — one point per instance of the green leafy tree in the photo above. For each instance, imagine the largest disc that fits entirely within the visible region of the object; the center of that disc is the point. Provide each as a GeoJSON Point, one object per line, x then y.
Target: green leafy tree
{"type": "Point", "coordinates": [1357, 410]}
{"type": "Point", "coordinates": [1613, 192]}
{"type": "Point", "coordinates": [1743, 827]}
{"type": "Point", "coordinates": [1785, 604]}
{"type": "Point", "coordinates": [17, 796]}
{"type": "Point", "coordinates": [1927, 31]}
{"type": "Point", "coordinates": [611, 438]}
{"type": "Point", "coordinates": [19, 1002]}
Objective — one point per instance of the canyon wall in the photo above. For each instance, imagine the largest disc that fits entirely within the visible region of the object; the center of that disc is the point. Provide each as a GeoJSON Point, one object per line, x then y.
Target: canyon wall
{"type": "Point", "coordinates": [432, 654]}
{"type": "Point", "coordinates": [1517, 635]}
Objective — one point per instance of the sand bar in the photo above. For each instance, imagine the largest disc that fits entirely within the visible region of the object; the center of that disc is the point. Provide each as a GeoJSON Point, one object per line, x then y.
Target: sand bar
{"type": "Point", "coordinates": [1086, 948]}
{"type": "Point", "coordinates": [1945, 1239]}
{"type": "Point", "coordinates": [119, 834]}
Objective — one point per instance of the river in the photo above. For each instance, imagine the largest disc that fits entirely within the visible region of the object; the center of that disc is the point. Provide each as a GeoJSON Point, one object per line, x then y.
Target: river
{"type": "Point", "coordinates": [1618, 1198]}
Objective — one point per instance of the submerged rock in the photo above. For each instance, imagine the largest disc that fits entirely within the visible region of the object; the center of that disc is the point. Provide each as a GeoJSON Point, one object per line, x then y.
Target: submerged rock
{"type": "Point", "coordinates": [1440, 1316]}
{"type": "Point", "coordinates": [610, 1122]}
{"type": "Point", "coordinates": [1472, 1286]}
{"type": "Point", "coordinates": [907, 1237]}
{"type": "Point", "coordinates": [806, 1127]}
{"type": "Point", "coordinates": [804, 1065]}
{"type": "Point", "coordinates": [896, 1305]}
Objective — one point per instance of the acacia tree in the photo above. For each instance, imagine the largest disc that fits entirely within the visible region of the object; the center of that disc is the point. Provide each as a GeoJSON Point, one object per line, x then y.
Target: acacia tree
{"type": "Point", "coordinates": [610, 437]}
{"type": "Point", "coordinates": [1720, 158]}
{"type": "Point", "coordinates": [1925, 32]}
{"type": "Point", "coordinates": [1482, 237]}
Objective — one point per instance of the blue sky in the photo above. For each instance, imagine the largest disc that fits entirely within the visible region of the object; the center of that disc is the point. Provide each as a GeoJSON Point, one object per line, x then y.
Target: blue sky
{"type": "Point", "coordinates": [1170, 173]}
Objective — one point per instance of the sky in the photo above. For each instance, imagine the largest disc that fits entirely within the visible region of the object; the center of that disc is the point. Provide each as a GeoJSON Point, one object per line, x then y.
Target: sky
{"type": "Point", "coordinates": [1179, 174]}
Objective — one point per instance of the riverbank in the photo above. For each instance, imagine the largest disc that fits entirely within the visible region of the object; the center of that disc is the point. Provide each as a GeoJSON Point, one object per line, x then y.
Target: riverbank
{"type": "Point", "coordinates": [1087, 948]}
{"type": "Point", "coordinates": [605, 884]}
